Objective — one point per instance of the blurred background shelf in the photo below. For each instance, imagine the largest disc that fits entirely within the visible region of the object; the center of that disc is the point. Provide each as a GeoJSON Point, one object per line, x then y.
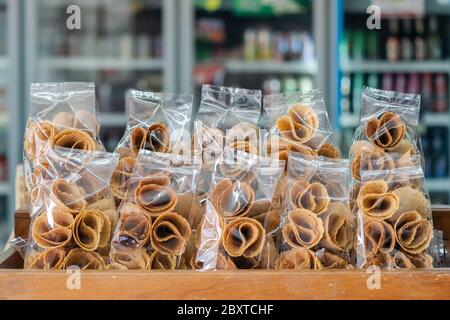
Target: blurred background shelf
{"type": "Point", "coordinates": [380, 66]}
{"type": "Point", "coordinates": [113, 119]}
{"type": "Point", "coordinates": [5, 188]}
{"type": "Point", "coordinates": [3, 62]}
{"type": "Point", "coordinates": [238, 66]}
{"type": "Point", "coordinates": [101, 63]}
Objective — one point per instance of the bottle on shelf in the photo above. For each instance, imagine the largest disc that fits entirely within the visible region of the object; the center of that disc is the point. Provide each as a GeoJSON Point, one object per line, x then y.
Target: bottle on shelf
{"type": "Point", "coordinates": [407, 48]}
{"type": "Point", "coordinates": [419, 42]}
{"type": "Point", "coordinates": [434, 45]}
{"type": "Point", "coordinates": [413, 83]}
{"type": "Point", "coordinates": [441, 93]}
{"type": "Point", "coordinates": [357, 85]}
{"type": "Point", "coordinates": [393, 41]}
{"type": "Point", "coordinates": [427, 92]}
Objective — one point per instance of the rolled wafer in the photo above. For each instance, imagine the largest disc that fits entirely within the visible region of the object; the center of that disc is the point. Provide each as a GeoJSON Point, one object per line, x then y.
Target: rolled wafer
{"type": "Point", "coordinates": [382, 260]}
{"type": "Point", "coordinates": [84, 260]}
{"type": "Point", "coordinates": [296, 259]}
{"type": "Point", "coordinates": [134, 226]}
{"type": "Point", "coordinates": [91, 230]}
{"type": "Point", "coordinates": [154, 195]}
{"type": "Point", "coordinates": [232, 200]}
{"type": "Point", "coordinates": [329, 150]}
{"type": "Point", "coordinates": [310, 196]}
{"type": "Point", "coordinates": [413, 233]}
{"type": "Point", "coordinates": [411, 199]}
{"type": "Point", "coordinates": [157, 138]}
{"type": "Point", "coordinates": [379, 237]}
{"type": "Point", "coordinates": [387, 131]}
{"type": "Point", "coordinates": [53, 229]}
{"type": "Point", "coordinates": [74, 139]}
{"type": "Point", "coordinates": [263, 212]}
{"type": "Point", "coordinates": [302, 229]}
{"type": "Point", "coordinates": [85, 120]}
{"type": "Point", "coordinates": [328, 260]}
{"type": "Point", "coordinates": [375, 201]}
{"type": "Point", "coordinates": [160, 261]}
{"type": "Point", "coordinates": [170, 233]}
{"type": "Point", "coordinates": [299, 125]}
{"type": "Point", "coordinates": [63, 120]}
{"type": "Point", "coordinates": [138, 136]}
{"type": "Point", "coordinates": [120, 178]}
{"type": "Point", "coordinates": [37, 136]}
{"type": "Point", "coordinates": [338, 228]}
{"type": "Point", "coordinates": [365, 156]}
{"type": "Point", "coordinates": [243, 237]}
{"type": "Point", "coordinates": [244, 146]}
{"type": "Point", "coordinates": [131, 258]}
{"type": "Point", "coordinates": [50, 259]}
{"type": "Point", "coordinates": [243, 131]}
{"type": "Point", "coordinates": [67, 196]}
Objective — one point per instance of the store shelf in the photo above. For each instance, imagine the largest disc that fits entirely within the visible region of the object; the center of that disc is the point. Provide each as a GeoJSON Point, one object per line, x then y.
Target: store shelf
{"type": "Point", "coordinates": [4, 188]}
{"type": "Point", "coordinates": [113, 119]}
{"type": "Point", "coordinates": [382, 66]}
{"type": "Point", "coordinates": [348, 120]}
{"type": "Point", "coordinates": [437, 119]}
{"type": "Point", "coordinates": [3, 62]}
{"type": "Point", "coordinates": [97, 3]}
{"type": "Point", "coordinates": [100, 63]}
{"type": "Point", "coordinates": [438, 184]}
{"type": "Point", "coordinates": [239, 66]}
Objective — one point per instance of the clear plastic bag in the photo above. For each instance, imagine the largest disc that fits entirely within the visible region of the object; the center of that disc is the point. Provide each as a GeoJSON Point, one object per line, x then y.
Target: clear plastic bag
{"type": "Point", "coordinates": [318, 228]}
{"type": "Point", "coordinates": [158, 122]}
{"type": "Point", "coordinates": [394, 217]}
{"type": "Point", "coordinates": [299, 123]}
{"type": "Point", "coordinates": [74, 212]}
{"type": "Point", "coordinates": [389, 124]}
{"type": "Point", "coordinates": [61, 115]}
{"type": "Point", "coordinates": [158, 213]}
{"type": "Point", "coordinates": [241, 219]}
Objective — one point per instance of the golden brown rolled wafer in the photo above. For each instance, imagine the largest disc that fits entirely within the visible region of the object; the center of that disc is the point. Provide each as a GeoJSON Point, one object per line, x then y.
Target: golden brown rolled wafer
{"type": "Point", "coordinates": [121, 177]}
{"type": "Point", "coordinates": [375, 202]}
{"type": "Point", "coordinates": [107, 206]}
{"type": "Point", "coordinates": [338, 228]}
{"type": "Point", "coordinates": [53, 229]}
{"type": "Point", "coordinates": [74, 139]}
{"type": "Point", "coordinates": [157, 138]}
{"type": "Point", "coordinates": [134, 228]}
{"type": "Point", "coordinates": [268, 255]}
{"type": "Point", "coordinates": [190, 207]}
{"type": "Point", "coordinates": [336, 191]}
{"type": "Point", "coordinates": [243, 131]}
{"type": "Point", "coordinates": [413, 233]}
{"type": "Point", "coordinates": [296, 259]}
{"type": "Point", "coordinates": [242, 262]}
{"type": "Point", "coordinates": [160, 261]}
{"type": "Point", "coordinates": [386, 131]}
{"type": "Point", "coordinates": [421, 260]}
{"type": "Point", "coordinates": [263, 212]}
{"type": "Point", "coordinates": [115, 266]}
{"type": "Point", "coordinates": [313, 197]}
{"type": "Point", "coordinates": [302, 229]}
{"type": "Point", "coordinates": [225, 263]}
{"type": "Point", "coordinates": [243, 237]}
{"type": "Point", "coordinates": [170, 233]}
{"type": "Point", "coordinates": [91, 230]}
{"type": "Point", "coordinates": [329, 150]}
{"type": "Point", "coordinates": [328, 260]}
{"type": "Point", "coordinates": [209, 143]}
{"type": "Point", "coordinates": [367, 161]}
{"type": "Point", "coordinates": [37, 137]}
{"type": "Point", "coordinates": [68, 196]}
{"type": "Point", "coordinates": [279, 193]}
{"type": "Point", "coordinates": [131, 258]}
{"type": "Point", "coordinates": [50, 259]}
{"type": "Point", "coordinates": [86, 120]}
{"type": "Point", "coordinates": [232, 200]}
{"type": "Point", "coordinates": [382, 260]}
{"type": "Point", "coordinates": [138, 136]}
{"type": "Point", "coordinates": [402, 261]}
{"type": "Point", "coordinates": [154, 195]}
{"type": "Point", "coordinates": [84, 260]}
{"type": "Point", "coordinates": [299, 125]}
{"type": "Point", "coordinates": [411, 199]}
{"type": "Point", "coordinates": [94, 188]}
{"type": "Point", "coordinates": [379, 237]}
{"type": "Point", "coordinates": [63, 120]}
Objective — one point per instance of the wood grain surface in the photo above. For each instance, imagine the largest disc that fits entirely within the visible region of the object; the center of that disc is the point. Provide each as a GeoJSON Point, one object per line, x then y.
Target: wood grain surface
{"type": "Point", "coordinates": [333, 284]}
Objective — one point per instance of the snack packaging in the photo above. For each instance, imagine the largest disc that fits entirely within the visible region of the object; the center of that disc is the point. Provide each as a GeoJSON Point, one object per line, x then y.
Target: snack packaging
{"type": "Point", "coordinates": [241, 219]}
{"type": "Point", "coordinates": [74, 215]}
{"type": "Point", "coordinates": [157, 214]}
{"type": "Point", "coordinates": [62, 115]}
{"type": "Point", "coordinates": [318, 228]}
{"type": "Point", "coordinates": [389, 124]}
{"type": "Point", "coordinates": [299, 123]}
{"type": "Point", "coordinates": [157, 122]}
{"type": "Point", "coordinates": [394, 216]}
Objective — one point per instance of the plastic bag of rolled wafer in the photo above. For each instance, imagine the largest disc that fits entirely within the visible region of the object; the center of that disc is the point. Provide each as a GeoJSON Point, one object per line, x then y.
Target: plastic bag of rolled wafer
{"type": "Point", "coordinates": [158, 214]}
{"type": "Point", "coordinates": [241, 218]}
{"type": "Point", "coordinates": [158, 122]}
{"type": "Point", "coordinates": [318, 228]}
{"type": "Point", "coordinates": [61, 115]}
{"type": "Point", "coordinates": [74, 212]}
{"type": "Point", "coordinates": [298, 122]}
{"type": "Point", "coordinates": [394, 215]}
{"type": "Point", "coordinates": [389, 124]}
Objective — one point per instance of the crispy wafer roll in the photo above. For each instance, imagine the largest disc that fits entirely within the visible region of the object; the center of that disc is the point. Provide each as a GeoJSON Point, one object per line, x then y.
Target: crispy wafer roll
{"type": "Point", "coordinates": [299, 125]}
{"type": "Point", "coordinates": [335, 190]}
{"type": "Point", "coordinates": [50, 259]}
{"type": "Point", "coordinates": [365, 158]}
{"type": "Point", "coordinates": [242, 262]}
{"type": "Point", "coordinates": [91, 230]}
{"type": "Point", "coordinates": [189, 206]}
{"type": "Point", "coordinates": [313, 197]}
{"type": "Point", "coordinates": [224, 263]}
{"type": "Point", "coordinates": [328, 260]}
{"type": "Point", "coordinates": [157, 138]}
{"type": "Point", "coordinates": [134, 226]}
{"type": "Point", "coordinates": [170, 233]}
{"type": "Point", "coordinates": [67, 196]}
{"type": "Point", "coordinates": [413, 233]}
{"type": "Point", "coordinates": [243, 131]}
{"type": "Point", "coordinates": [382, 260]}
{"type": "Point", "coordinates": [379, 237]}
{"type": "Point", "coordinates": [411, 199]}
{"type": "Point", "coordinates": [297, 259]}
{"type": "Point", "coordinates": [302, 229]}
{"type": "Point", "coordinates": [85, 120]}
{"type": "Point", "coordinates": [232, 200]}
{"type": "Point", "coordinates": [74, 139]}
{"type": "Point", "coordinates": [210, 142]}
{"type": "Point", "coordinates": [131, 258]}
{"type": "Point", "coordinates": [84, 260]}
{"type": "Point", "coordinates": [137, 139]}
{"type": "Point", "coordinates": [329, 150]}
{"type": "Point", "coordinates": [243, 237]}
{"type": "Point", "coordinates": [375, 201]}
{"type": "Point", "coordinates": [387, 131]}
{"type": "Point", "coordinates": [402, 261]}
{"type": "Point", "coordinates": [108, 207]}
{"type": "Point", "coordinates": [263, 212]}
{"type": "Point", "coordinates": [37, 135]}
{"type": "Point", "coordinates": [63, 120]}
{"type": "Point", "coordinates": [338, 228]}
{"type": "Point", "coordinates": [421, 260]}
{"type": "Point", "coordinates": [244, 146]}
{"type": "Point", "coordinates": [121, 177]}
{"type": "Point", "coordinates": [53, 230]}
{"type": "Point", "coordinates": [154, 195]}
{"type": "Point", "coordinates": [162, 261]}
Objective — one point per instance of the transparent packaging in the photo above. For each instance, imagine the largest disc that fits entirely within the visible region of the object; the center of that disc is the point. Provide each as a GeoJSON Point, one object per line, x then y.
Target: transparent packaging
{"type": "Point", "coordinates": [61, 115]}
{"type": "Point", "coordinates": [395, 228]}
{"type": "Point", "coordinates": [158, 214]}
{"type": "Point", "coordinates": [74, 214]}
{"type": "Point", "coordinates": [158, 122]}
{"type": "Point", "coordinates": [318, 228]}
{"type": "Point", "coordinates": [241, 218]}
